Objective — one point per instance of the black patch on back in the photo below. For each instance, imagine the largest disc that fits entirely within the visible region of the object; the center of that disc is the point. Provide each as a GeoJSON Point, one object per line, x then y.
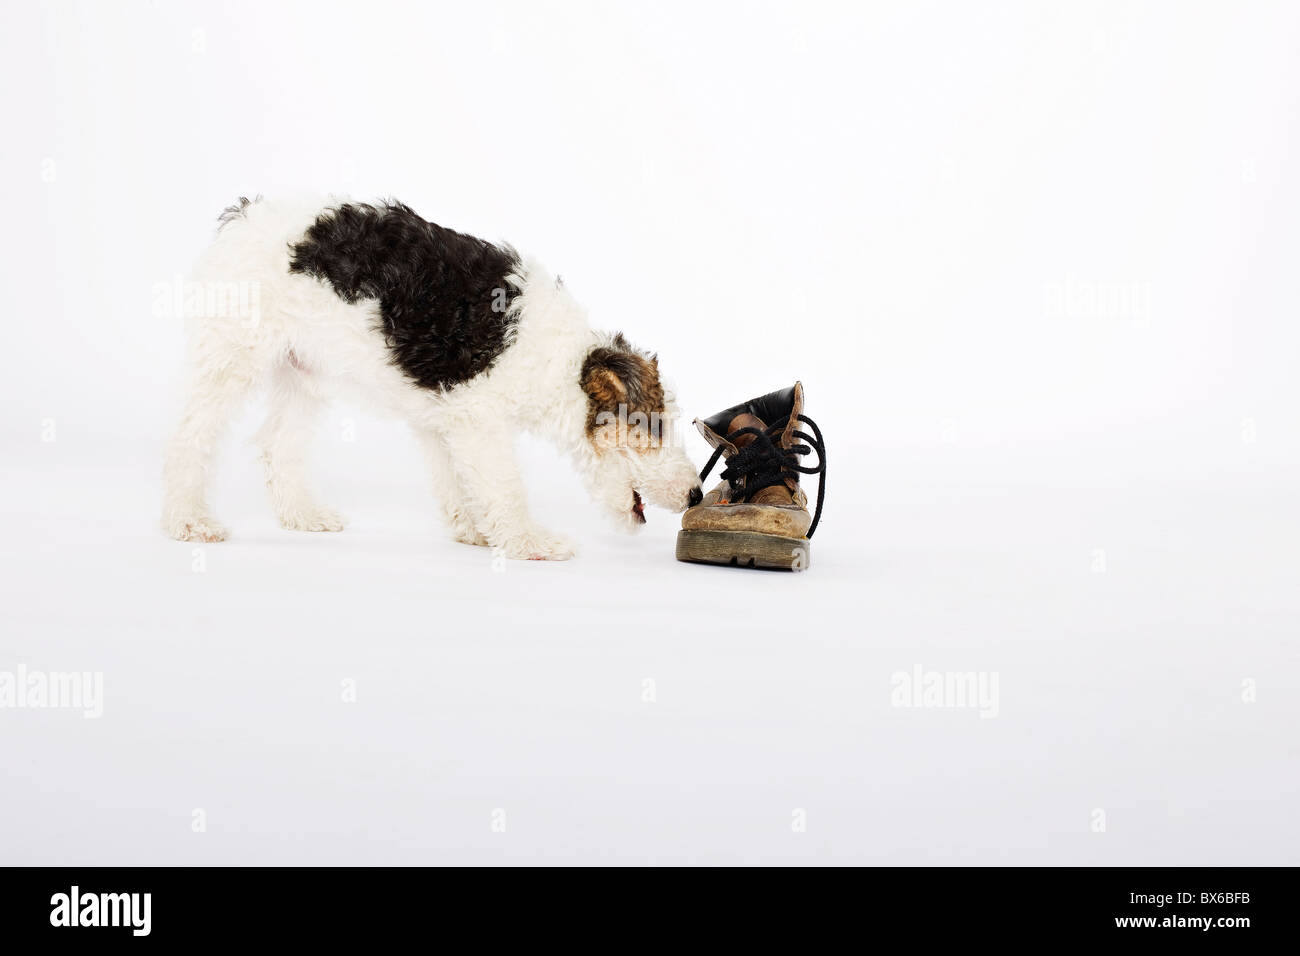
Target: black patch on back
{"type": "Point", "coordinates": [443, 296]}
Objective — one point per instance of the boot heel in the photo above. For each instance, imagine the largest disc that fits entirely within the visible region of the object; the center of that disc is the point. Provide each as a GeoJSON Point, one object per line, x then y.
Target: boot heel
{"type": "Point", "coordinates": [744, 549]}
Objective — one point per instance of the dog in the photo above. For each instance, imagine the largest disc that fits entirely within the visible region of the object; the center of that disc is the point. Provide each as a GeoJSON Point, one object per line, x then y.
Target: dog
{"type": "Point", "coordinates": [463, 339]}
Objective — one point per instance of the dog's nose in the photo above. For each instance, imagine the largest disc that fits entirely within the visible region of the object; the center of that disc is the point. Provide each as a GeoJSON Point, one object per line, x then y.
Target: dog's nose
{"type": "Point", "coordinates": [695, 497]}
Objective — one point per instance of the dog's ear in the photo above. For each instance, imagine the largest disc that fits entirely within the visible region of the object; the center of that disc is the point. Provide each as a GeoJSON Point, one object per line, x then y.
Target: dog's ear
{"type": "Point", "coordinates": [609, 376]}
{"type": "Point", "coordinates": [604, 386]}
{"type": "Point", "coordinates": [617, 375]}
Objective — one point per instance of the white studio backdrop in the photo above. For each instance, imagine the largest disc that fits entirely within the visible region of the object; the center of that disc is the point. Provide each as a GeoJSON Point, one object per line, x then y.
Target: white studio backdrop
{"type": "Point", "coordinates": [1033, 262]}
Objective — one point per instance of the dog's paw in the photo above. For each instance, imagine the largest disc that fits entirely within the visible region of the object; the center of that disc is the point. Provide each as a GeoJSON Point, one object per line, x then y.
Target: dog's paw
{"type": "Point", "coordinates": [468, 535]}
{"type": "Point", "coordinates": [537, 544]}
{"type": "Point", "coordinates": [312, 519]}
{"type": "Point", "coordinates": [464, 531]}
{"type": "Point", "coordinates": [195, 528]}
{"type": "Point", "coordinates": [628, 522]}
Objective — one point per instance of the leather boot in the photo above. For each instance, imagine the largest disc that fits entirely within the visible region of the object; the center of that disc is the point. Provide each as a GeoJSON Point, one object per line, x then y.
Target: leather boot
{"type": "Point", "coordinates": [757, 516]}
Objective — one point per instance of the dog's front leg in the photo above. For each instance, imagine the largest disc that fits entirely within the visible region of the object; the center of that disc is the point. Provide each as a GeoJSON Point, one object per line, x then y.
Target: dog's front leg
{"type": "Point", "coordinates": [457, 510]}
{"type": "Point", "coordinates": [482, 456]}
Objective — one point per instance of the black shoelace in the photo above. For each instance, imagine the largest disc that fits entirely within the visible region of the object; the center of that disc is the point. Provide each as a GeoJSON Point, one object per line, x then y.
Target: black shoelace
{"type": "Point", "coordinates": [762, 463]}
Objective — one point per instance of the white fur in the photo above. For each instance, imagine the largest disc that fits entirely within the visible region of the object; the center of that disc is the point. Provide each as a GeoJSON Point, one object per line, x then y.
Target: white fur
{"type": "Point", "coordinates": [307, 345]}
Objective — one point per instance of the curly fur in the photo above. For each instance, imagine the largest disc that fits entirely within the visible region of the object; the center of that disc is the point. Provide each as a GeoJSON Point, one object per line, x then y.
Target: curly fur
{"type": "Point", "coordinates": [618, 374]}
{"type": "Point", "coordinates": [444, 297]}
{"type": "Point", "coordinates": [235, 211]}
{"type": "Point", "coordinates": [376, 304]}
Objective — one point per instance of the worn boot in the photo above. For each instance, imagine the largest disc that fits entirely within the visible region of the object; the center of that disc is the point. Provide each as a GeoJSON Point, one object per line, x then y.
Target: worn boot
{"type": "Point", "coordinates": [758, 516]}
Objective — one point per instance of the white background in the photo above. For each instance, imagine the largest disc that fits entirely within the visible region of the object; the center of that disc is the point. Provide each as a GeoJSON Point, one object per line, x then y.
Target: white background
{"type": "Point", "coordinates": [1035, 264]}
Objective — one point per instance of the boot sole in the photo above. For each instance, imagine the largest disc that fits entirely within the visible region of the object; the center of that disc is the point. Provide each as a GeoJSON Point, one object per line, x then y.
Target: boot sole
{"type": "Point", "coordinates": [744, 549]}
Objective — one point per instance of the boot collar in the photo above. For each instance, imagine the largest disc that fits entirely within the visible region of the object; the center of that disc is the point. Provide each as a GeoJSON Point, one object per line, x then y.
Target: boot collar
{"type": "Point", "coordinates": [771, 408]}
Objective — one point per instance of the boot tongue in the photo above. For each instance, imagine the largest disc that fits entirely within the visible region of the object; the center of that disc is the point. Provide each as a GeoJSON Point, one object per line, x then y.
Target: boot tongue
{"type": "Point", "coordinates": [782, 494]}
{"type": "Point", "coordinates": [745, 420]}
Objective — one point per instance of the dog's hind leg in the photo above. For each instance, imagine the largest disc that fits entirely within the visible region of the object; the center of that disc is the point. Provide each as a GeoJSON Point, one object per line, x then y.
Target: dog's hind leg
{"type": "Point", "coordinates": [220, 382]}
{"type": "Point", "coordinates": [285, 438]}
{"type": "Point", "coordinates": [457, 511]}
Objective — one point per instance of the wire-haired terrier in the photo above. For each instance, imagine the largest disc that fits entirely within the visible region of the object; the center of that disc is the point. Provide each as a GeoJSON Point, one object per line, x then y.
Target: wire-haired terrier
{"type": "Point", "coordinates": [465, 340]}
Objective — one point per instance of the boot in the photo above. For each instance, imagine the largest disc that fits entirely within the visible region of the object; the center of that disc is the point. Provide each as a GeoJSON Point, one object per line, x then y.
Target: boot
{"type": "Point", "coordinates": [758, 516]}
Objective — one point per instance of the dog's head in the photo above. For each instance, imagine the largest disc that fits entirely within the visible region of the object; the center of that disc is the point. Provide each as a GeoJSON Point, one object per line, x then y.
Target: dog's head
{"type": "Point", "coordinates": [633, 430]}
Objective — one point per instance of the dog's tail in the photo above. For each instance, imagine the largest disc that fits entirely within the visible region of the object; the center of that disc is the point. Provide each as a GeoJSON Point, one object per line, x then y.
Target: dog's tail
{"type": "Point", "coordinates": [236, 211]}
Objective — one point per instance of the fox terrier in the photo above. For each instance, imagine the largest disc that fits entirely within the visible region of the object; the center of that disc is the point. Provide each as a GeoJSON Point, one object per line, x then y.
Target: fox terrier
{"type": "Point", "coordinates": [465, 340]}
